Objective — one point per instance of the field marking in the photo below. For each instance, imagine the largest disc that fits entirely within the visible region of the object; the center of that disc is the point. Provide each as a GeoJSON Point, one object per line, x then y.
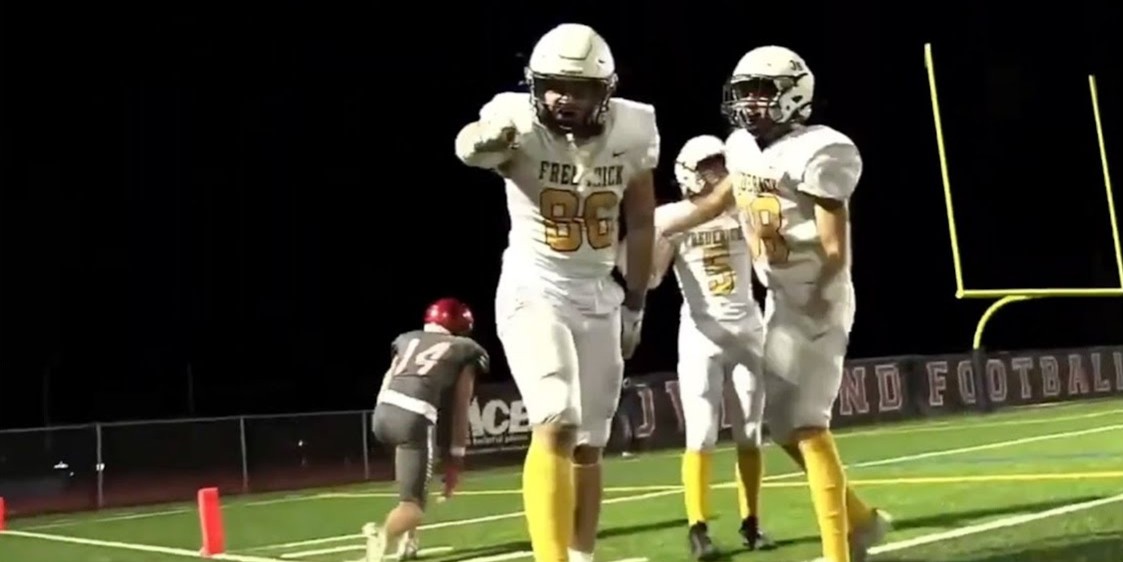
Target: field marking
{"type": "Point", "coordinates": [137, 547]}
{"type": "Point", "coordinates": [864, 464]}
{"type": "Point", "coordinates": [1001, 523]}
{"type": "Point", "coordinates": [916, 426]}
{"type": "Point", "coordinates": [954, 479]}
{"type": "Point", "coordinates": [163, 513]}
{"type": "Point", "coordinates": [668, 492]}
{"type": "Point", "coordinates": [998, 444]}
{"type": "Point", "coordinates": [453, 523]}
{"type": "Point", "coordinates": [502, 557]}
{"type": "Point", "coordinates": [109, 519]}
{"type": "Point", "coordinates": [966, 423]}
{"type": "Point", "coordinates": [349, 548]}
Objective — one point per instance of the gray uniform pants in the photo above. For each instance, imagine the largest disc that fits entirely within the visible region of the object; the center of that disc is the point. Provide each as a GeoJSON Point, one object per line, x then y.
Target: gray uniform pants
{"type": "Point", "coordinates": [414, 439]}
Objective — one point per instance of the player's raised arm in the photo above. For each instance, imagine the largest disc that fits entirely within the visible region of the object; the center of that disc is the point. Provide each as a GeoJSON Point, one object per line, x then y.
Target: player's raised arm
{"type": "Point", "coordinates": [490, 141]}
{"type": "Point", "coordinates": [831, 177]}
{"type": "Point", "coordinates": [706, 208]}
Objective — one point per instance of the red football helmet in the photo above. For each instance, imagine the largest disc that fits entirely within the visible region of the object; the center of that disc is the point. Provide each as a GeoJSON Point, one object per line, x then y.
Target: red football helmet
{"type": "Point", "coordinates": [450, 314]}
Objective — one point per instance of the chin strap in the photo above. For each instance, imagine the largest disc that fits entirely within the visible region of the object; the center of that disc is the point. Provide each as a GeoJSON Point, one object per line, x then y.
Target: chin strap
{"type": "Point", "coordinates": [582, 157]}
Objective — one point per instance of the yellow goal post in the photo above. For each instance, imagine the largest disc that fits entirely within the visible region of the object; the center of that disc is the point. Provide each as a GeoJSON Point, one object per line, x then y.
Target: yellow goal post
{"type": "Point", "coordinates": [1008, 296]}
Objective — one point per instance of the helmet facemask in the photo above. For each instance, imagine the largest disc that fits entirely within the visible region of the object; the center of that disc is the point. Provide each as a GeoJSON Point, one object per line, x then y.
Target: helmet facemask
{"type": "Point", "coordinates": [571, 105]}
{"type": "Point", "coordinates": [765, 106]}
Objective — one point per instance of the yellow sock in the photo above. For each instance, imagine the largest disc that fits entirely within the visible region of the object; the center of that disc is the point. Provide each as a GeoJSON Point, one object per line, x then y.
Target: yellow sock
{"type": "Point", "coordinates": [858, 513]}
{"type": "Point", "coordinates": [696, 485]}
{"type": "Point", "coordinates": [750, 474]}
{"type": "Point", "coordinates": [828, 492]}
{"type": "Point", "coordinates": [548, 498]}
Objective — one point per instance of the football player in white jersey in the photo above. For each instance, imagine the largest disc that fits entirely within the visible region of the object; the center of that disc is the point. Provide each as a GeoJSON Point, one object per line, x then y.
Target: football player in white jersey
{"type": "Point", "coordinates": [573, 157]}
{"type": "Point", "coordinates": [721, 341]}
{"type": "Point", "coordinates": [791, 183]}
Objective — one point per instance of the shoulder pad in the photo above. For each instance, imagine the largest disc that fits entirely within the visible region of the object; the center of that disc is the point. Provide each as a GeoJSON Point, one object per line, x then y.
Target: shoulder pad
{"type": "Point", "coordinates": [399, 339]}
{"type": "Point", "coordinates": [741, 150]}
{"type": "Point", "coordinates": [812, 140]}
{"type": "Point", "coordinates": [633, 109]}
{"type": "Point", "coordinates": [822, 135]}
{"type": "Point", "coordinates": [634, 129]}
{"type": "Point", "coordinates": [483, 360]}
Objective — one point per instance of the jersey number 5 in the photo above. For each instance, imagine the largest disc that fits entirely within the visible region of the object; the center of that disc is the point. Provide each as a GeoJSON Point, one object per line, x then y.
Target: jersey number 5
{"type": "Point", "coordinates": [424, 361]}
{"type": "Point", "coordinates": [569, 223]}
{"type": "Point", "coordinates": [719, 272]}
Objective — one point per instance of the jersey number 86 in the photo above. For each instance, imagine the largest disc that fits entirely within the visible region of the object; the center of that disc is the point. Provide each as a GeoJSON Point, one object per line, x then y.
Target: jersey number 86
{"type": "Point", "coordinates": [569, 223]}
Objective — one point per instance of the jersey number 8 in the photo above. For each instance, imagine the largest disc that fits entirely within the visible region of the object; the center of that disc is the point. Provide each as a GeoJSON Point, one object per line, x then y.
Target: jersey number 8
{"type": "Point", "coordinates": [569, 223]}
{"type": "Point", "coordinates": [767, 220]}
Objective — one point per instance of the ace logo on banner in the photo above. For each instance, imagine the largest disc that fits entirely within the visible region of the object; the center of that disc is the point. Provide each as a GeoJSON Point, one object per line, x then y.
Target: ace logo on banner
{"type": "Point", "coordinates": [498, 421]}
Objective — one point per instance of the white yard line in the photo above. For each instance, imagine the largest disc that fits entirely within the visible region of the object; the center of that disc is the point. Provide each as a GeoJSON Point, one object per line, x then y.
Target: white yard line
{"type": "Point", "coordinates": [669, 492]}
{"type": "Point", "coordinates": [502, 557]}
{"type": "Point", "coordinates": [337, 549]}
{"type": "Point", "coordinates": [110, 519]}
{"type": "Point", "coordinates": [163, 513]}
{"type": "Point", "coordinates": [1001, 523]}
{"type": "Point", "coordinates": [999, 444]}
{"type": "Point", "coordinates": [137, 547]}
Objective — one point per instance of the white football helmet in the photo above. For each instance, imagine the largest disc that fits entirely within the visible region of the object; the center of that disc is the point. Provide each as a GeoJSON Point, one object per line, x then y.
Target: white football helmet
{"type": "Point", "coordinates": [770, 83]}
{"type": "Point", "coordinates": [575, 59]}
{"type": "Point", "coordinates": [693, 152]}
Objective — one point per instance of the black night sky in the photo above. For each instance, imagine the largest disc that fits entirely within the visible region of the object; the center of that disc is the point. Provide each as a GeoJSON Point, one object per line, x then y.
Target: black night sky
{"type": "Point", "coordinates": [263, 196]}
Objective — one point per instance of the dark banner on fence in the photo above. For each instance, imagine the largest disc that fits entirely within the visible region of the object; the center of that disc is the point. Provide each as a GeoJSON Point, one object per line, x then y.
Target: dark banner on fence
{"type": "Point", "coordinates": [123, 464]}
{"type": "Point", "coordinates": [872, 391]}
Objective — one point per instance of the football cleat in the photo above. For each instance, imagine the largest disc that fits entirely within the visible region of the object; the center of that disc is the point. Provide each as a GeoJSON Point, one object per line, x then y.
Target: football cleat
{"type": "Point", "coordinates": [701, 547]}
{"type": "Point", "coordinates": [752, 537]}
{"type": "Point", "coordinates": [863, 538]}
{"type": "Point", "coordinates": [376, 543]}
{"type": "Point", "coordinates": [408, 547]}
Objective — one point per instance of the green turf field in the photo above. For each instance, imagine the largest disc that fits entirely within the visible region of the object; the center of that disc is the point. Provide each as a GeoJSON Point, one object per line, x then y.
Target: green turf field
{"type": "Point", "coordinates": [1040, 484]}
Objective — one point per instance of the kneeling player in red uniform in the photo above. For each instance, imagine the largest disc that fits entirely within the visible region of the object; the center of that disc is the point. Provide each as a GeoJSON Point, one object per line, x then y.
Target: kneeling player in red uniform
{"type": "Point", "coordinates": [426, 364]}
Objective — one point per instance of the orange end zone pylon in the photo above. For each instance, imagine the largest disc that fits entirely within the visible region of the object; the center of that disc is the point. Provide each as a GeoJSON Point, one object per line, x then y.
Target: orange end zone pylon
{"type": "Point", "coordinates": [210, 522]}
{"type": "Point", "coordinates": [3, 514]}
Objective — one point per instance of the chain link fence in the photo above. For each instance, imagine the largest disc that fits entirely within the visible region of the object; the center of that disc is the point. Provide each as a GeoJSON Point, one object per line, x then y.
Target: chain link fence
{"type": "Point", "coordinates": [97, 466]}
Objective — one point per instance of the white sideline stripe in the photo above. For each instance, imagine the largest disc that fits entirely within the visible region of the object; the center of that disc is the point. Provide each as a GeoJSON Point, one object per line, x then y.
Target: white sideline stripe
{"type": "Point", "coordinates": [661, 493]}
{"type": "Point", "coordinates": [501, 557]}
{"type": "Point", "coordinates": [349, 548]}
{"type": "Point", "coordinates": [999, 444]}
{"type": "Point", "coordinates": [632, 560]}
{"type": "Point", "coordinates": [110, 519]}
{"type": "Point", "coordinates": [146, 515]}
{"type": "Point", "coordinates": [137, 547]}
{"type": "Point", "coordinates": [920, 427]}
{"type": "Point", "coordinates": [1002, 523]}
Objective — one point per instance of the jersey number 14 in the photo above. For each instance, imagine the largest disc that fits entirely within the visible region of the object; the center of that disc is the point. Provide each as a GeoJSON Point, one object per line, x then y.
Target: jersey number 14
{"type": "Point", "coordinates": [423, 361]}
{"type": "Point", "coordinates": [569, 221]}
